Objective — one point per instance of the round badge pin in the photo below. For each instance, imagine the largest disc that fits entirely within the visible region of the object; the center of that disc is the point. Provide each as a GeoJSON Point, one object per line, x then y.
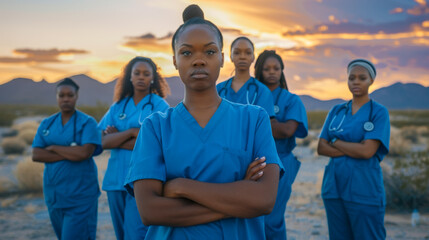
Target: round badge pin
{"type": "Point", "coordinates": [368, 126]}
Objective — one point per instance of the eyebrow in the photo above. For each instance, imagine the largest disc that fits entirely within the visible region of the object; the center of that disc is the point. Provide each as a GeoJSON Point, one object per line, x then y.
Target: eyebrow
{"type": "Point", "coordinates": [189, 45]}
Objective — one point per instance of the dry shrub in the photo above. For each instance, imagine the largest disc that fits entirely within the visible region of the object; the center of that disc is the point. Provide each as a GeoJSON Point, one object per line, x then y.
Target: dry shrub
{"type": "Point", "coordinates": [301, 142]}
{"type": "Point", "coordinates": [406, 182]}
{"type": "Point", "coordinates": [8, 201]}
{"type": "Point", "coordinates": [13, 145]}
{"type": "Point", "coordinates": [311, 141]}
{"type": "Point", "coordinates": [27, 135]}
{"type": "Point", "coordinates": [30, 208]}
{"type": "Point", "coordinates": [313, 146]}
{"type": "Point", "coordinates": [5, 185]}
{"type": "Point", "coordinates": [399, 146]}
{"type": "Point", "coordinates": [423, 131]}
{"type": "Point", "coordinates": [307, 141]}
{"type": "Point", "coordinates": [415, 134]}
{"type": "Point", "coordinates": [10, 133]}
{"type": "Point", "coordinates": [33, 125]}
{"type": "Point", "coordinates": [29, 175]}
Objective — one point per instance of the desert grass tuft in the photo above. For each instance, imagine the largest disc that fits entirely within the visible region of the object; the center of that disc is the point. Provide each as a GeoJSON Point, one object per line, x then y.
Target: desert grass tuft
{"type": "Point", "coordinates": [13, 145]}
{"type": "Point", "coordinates": [29, 175]}
{"type": "Point", "coordinates": [27, 135]}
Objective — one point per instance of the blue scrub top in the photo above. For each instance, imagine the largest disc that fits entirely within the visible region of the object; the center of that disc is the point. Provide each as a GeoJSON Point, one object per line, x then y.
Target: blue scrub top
{"type": "Point", "coordinates": [351, 179]}
{"type": "Point", "coordinates": [173, 145]}
{"type": "Point", "coordinates": [263, 97]}
{"type": "Point", "coordinates": [291, 108]}
{"type": "Point", "coordinates": [69, 183]}
{"type": "Point", "coordinates": [119, 161]}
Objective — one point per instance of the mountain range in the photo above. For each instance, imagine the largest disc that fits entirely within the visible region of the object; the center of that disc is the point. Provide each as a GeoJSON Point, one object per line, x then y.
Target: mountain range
{"type": "Point", "coordinates": [93, 92]}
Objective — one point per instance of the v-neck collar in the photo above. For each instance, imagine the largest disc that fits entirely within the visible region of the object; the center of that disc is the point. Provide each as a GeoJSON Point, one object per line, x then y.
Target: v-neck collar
{"type": "Point", "coordinates": [143, 100]}
{"type": "Point", "coordinates": [202, 133]}
{"type": "Point", "coordinates": [359, 110]}
{"type": "Point", "coordinates": [69, 121]}
{"type": "Point", "coordinates": [229, 85]}
{"type": "Point", "coordinates": [135, 108]}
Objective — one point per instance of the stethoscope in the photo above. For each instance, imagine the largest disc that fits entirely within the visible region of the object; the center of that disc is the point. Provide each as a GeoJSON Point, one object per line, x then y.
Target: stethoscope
{"type": "Point", "coordinates": [123, 115]}
{"type": "Point", "coordinates": [46, 131]}
{"type": "Point", "coordinates": [253, 83]}
{"type": "Point", "coordinates": [276, 103]}
{"type": "Point", "coordinates": [367, 126]}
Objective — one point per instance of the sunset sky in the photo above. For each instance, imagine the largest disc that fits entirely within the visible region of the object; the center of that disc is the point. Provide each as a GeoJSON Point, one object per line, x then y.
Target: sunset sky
{"type": "Point", "coordinates": [50, 40]}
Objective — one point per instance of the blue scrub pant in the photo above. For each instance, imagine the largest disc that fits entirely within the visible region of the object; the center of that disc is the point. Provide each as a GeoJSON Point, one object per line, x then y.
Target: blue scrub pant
{"type": "Point", "coordinates": [348, 220]}
{"type": "Point", "coordinates": [75, 222]}
{"type": "Point", "coordinates": [125, 216]}
{"type": "Point", "coordinates": [275, 225]}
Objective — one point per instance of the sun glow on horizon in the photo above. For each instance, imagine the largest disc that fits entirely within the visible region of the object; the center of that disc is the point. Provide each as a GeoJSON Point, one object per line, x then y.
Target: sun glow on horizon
{"type": "Point", "coordinates": [315, 46]}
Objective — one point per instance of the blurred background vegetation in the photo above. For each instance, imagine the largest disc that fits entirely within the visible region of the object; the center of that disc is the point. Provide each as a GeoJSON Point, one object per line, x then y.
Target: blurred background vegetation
{"type": "Point", "coordinates": [11, 112]}
{"type": "Point", "coordinates": [405, 168]}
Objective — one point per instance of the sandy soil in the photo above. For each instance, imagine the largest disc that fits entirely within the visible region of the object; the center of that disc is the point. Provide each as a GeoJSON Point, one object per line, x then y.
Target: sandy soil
{"type": "Point", "coordinates": [24, 216]}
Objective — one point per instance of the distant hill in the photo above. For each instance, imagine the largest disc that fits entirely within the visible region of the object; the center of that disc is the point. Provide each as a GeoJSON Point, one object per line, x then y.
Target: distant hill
{"type": "Point", "coordinates": [26, 91]}
{"type": "Point", "coordinates": [403, 96]}
{"type": "Point", "coordinates": [91, 91]}
{"type": "Point", "coordinates": [313, 104]}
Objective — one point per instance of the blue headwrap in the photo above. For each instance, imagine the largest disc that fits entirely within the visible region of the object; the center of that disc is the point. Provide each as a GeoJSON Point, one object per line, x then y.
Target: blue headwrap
{"type": "Point", "coordinates": [363, 63]}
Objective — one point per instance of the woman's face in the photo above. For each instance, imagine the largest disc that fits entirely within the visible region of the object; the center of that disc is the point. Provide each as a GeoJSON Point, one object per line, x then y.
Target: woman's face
{"type": "Point", "coordinates": [359, 81]}
{"type": "Point", "coordinates": [242, 55]}
{"type": "Point", "coordinates": [66, 98]}
{"type": "Point", "coordinates": [272, 71]}
{"type": "Point", "coordinates": [198, 57]}
{"type": "Point", "coordinates": [141, 76]}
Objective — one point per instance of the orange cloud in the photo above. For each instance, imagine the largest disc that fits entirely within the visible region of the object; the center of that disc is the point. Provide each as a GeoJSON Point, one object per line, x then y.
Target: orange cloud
{"type": "Point", "coordinates": [149, 42]}
{"type": "Point", "coordinates": [397, 10]}
{"type": "Point", "coordinates": [420, 9]}
{"type": "Point", "coordinates": [41, 55]}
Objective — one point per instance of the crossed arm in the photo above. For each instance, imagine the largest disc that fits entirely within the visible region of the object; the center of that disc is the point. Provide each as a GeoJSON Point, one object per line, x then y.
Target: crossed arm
{"type": "Point", "coordinates": [283, 129]}
{"type": "Point", "coordinates": [112, 138]}
{"type": "Point", "coordinates": [186, 202]}
{"type": "Point", "coordinates": [55, 153]}
{"type": "Point", "coordinates": [363, 150]}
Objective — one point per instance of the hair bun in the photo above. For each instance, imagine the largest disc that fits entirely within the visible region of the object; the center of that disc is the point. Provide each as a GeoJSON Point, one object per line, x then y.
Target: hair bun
{"type": "Point", "coordinates": [192, 11]}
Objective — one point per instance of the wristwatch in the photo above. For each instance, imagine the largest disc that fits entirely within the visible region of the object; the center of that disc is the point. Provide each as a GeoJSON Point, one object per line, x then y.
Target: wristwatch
{"type": "Point", "coordinates": [333, 141]}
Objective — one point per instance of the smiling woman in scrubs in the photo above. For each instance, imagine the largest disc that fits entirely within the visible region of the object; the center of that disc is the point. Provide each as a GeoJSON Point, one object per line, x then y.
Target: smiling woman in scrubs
{"type": "Point", "coordinates": [243, 88]}
{"type": "Point", "coordinates": [138, 93]}
{"type": "Point", "coordinates": [356, 137]}
{"type": "Point", "coordinates": [188, 168]}
{"type": "Point", "coordinates": [290, 122]}
{"type": "Point", "coordinates": [66, 143]}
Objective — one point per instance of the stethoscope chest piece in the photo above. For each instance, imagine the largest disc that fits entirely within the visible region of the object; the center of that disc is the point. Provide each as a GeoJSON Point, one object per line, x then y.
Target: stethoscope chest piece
{"type": "Point", "coordinates": [276, 109]}
{"type": "Point", "coordinates": [45, 132]}
{"type": "Point", "coordinates": [368, 126]}
{"type": "Point", "coordinates": [122, 116]}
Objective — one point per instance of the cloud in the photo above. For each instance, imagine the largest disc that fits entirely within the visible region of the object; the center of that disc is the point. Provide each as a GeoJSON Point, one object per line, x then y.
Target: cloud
{"type": "Point", "coordinates": [406, 25]}
{"type": "Point", "coordinates": [420, 9]}
{"type": "Point", "coordinates": [41, 55]}
{"type": "Point", "coordinates": [396, 10]}
{"type": "Point", "coordinates": [148, 42]}
{"type": "Point", "coordinates": [234, 31]}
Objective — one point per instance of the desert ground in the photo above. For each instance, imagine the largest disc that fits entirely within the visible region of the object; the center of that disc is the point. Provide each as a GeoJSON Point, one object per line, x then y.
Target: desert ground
{"type": "Point", "coordinates": [23, 213]}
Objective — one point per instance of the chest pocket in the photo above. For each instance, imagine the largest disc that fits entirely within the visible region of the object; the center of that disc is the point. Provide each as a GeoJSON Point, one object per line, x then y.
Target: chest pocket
{"type": "Point", "coordinates": [236, 162]}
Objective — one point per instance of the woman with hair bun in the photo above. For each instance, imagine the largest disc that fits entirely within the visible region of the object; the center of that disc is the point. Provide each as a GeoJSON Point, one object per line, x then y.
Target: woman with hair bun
{"type": "Point", "coordinates": [139, 92]}
{"type": "Point", "coordinates": [356, 136]}
{"type": "Point", "coordinates": [193, 169]}
{"type": "Point", "coordinates": [67, 142]}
